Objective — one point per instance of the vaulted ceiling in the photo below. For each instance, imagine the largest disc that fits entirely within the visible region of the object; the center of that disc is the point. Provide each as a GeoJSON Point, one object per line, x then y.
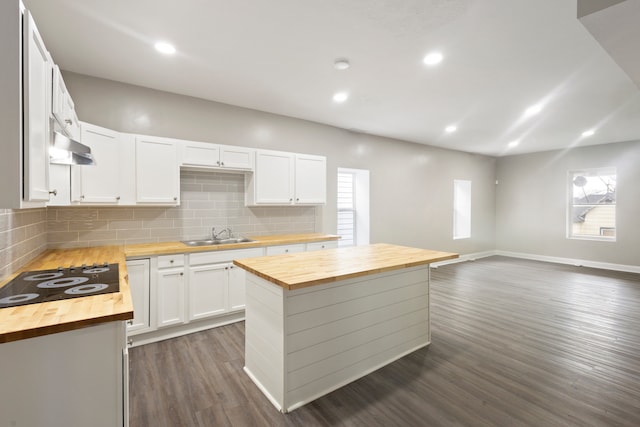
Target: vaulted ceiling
{"type": "Point", "coordinates": [500, 57]}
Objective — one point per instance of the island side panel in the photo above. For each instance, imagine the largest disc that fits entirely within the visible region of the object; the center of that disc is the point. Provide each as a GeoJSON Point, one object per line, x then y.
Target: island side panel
{"type": "Point", "coordinates": [264, 337]}
{"type": "Point", "coordinates": [338, 333]}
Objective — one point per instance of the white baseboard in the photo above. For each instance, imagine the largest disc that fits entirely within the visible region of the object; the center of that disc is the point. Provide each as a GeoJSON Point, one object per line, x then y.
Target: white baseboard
{"type": "Point", "coordinates": [545, 258]}
{"type": "Point", "coordinates": [464, 257]}
{"type": "Point", "coordinates": [572, 261]}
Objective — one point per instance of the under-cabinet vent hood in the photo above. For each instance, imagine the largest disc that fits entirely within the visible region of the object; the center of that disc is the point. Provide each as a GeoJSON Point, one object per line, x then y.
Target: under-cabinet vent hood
{"type": "Point", "coordinates": [66, 151]}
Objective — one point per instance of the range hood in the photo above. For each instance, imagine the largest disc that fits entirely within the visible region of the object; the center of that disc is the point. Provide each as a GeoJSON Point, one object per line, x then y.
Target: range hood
{"type": "Point", "coordinates": [66, 151]}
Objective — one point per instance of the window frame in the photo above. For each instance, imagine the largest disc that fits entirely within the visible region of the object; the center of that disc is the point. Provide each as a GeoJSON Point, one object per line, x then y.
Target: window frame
{"type": "Point", "coordinates": [605, 170]}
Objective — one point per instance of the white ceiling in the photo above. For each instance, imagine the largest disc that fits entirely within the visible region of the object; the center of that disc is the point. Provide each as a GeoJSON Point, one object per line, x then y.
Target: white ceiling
{"type": "Point", "coordinates": [500, 57]}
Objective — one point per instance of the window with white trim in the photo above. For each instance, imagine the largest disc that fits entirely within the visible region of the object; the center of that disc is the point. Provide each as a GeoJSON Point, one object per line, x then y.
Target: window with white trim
{"type": "Point", "coordinates": [461, 209]}
{"type": "Point", "coordinates": [353, 207]}
{"type": "Point", "coordinates": [592, 204]}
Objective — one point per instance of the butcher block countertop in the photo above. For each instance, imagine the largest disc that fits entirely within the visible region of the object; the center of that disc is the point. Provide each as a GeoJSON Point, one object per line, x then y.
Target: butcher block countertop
{"type": "Point", "coordinates": [300, 270]}
{"type": "Point", "coordinates": [33, 320]}
{"type": "Point", "coordinates": [146, 249]}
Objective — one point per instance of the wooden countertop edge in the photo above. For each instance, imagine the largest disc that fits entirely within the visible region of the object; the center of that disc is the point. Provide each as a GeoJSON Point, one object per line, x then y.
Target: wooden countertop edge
{"type": "Point", "coordinates": [332, 279]}
{"type": "Point", "coordinates": [167, 248]}
{"type": "Point", "coordinates": [62, 327]}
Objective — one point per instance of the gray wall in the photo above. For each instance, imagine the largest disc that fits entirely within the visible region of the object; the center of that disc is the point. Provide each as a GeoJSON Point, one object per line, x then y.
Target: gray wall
{"type": "Point", "coordinates": [532, 199]}
{"type": "Point", "coordinates": [411, 184]}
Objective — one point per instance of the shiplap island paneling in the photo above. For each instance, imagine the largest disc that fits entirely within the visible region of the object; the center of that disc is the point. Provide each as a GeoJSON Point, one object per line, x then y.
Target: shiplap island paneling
{"type": "Point", "coordinates": [316, 321]}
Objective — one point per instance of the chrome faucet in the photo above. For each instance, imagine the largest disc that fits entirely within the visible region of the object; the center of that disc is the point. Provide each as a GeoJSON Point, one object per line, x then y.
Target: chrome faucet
{"type": "Point", "coordinates": [216, 236]}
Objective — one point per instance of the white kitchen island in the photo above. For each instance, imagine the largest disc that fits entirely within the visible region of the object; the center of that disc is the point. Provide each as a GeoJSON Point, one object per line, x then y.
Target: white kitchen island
{"type": "Point", "coordinates": [316, 321]}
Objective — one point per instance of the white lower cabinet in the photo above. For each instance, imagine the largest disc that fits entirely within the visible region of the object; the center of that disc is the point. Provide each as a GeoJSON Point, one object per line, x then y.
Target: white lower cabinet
{"type": "Point", "coordinates": [139, 283]}
{"type": "Point", "coordinates": [170, 290]}
{"type": "Point", "coordinates": [179, 294]}
{"type": "Point", "coordinates": [208, 290]}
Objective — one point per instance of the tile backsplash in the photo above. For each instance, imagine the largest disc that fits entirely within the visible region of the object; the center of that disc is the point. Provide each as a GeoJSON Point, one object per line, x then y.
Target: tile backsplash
{"type": "Point", "coordinates": [208, 199]}
{"type": "Point", "coordinates": [23, 235]}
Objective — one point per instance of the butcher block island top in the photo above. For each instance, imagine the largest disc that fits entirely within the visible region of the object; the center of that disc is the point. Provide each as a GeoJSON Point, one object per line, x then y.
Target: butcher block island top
{"type": "Point", "coordinates": [300, 270]}
{"type": "Point", "coordinates": [33, 320]}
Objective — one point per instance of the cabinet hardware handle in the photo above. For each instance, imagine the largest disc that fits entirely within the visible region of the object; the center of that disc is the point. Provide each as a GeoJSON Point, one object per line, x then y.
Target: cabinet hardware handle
{"type": "Point", "coordinates": [221, 163]}
{"type": "Point", "coordinates": [297, 199]}
{"type": "Point", "coordinates": [218, 163]}
{"type": "Point", "coordinates": [291, 200]}
{"type": "Point", "coordinates": [130, 342]}
{"type": "Point", "coordinates": [68, 121]}
{"type": "Point", "coordinates": [181, 273]}
{"type": "Point", "coordinates": [117, 197]}
{"type": "Point", "coordinates": [82, 197]}
{"type": "Point", "coordinates": [129, 322]}
{"type": "Point", "coordinates": [286, 250]}
{"type": "Point", "coordinates": [175, 199]}
{"type": "Point", "coordinates": [171, 261]}
{"type": "Point", "coordinates": [54, 192]}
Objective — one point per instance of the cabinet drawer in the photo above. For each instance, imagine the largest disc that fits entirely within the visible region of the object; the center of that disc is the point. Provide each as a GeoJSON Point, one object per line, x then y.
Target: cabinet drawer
{"type": "Point", "coordinates": [318, 246]}
{"type": "Point", "coordinates": [285, 249]}
{"type": "Point", "coordinates": [166, 261]}
{"type": "Point", "coordinates": [223, 256]}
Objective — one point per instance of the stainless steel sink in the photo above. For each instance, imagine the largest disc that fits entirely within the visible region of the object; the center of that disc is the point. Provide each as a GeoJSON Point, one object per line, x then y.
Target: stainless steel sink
{"type": "Point", "coordinates": [210, 242]}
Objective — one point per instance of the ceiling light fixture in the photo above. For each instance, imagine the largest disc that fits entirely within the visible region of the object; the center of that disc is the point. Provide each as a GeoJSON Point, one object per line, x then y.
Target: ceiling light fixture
{"type": "Point", "coordinates": [533, 110]}
{"type": "Point", "coordinates": [433, 58]}
{"type": "Point", "coordinates": [340, 97]}
{"type": "Point", "coordinates": [588, 133]}
{"type": "Point", "coordinates": [341, 64]}
{"type": "Point", "coordinates": [450, 129]}
{"type": "Point", "coordinates": [513, 143]}
{"type": "Point", "coordinates": [166, 48]}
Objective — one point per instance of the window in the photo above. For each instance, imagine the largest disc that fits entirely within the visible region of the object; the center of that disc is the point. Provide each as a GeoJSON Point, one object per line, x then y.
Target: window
{"type": "Point", "coordinates": [353, 207]}
{"type": "Point", "coordinates": [461, 209]}
{"type": "Point", "coordinates": [592, 204]}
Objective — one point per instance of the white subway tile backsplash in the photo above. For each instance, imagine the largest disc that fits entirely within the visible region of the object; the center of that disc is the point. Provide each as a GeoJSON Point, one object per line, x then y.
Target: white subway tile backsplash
{"type": "Point", "coordinates": [23, 236]}
{"type": "Point", "coordinates": [208, 199]}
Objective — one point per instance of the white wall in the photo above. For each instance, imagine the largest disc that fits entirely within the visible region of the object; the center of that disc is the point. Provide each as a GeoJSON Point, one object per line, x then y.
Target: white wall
{"type": "Point", "coordinates": [411, 184]}
{"type": "Point", "coordinates": [531, 203]}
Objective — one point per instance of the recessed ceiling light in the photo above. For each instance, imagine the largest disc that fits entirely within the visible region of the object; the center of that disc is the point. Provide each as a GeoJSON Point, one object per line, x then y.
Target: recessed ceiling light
{"type": "Point", "coordinates": [433, 58]}
{"type": "Point", "coordinates": [450, 129]}
{"type": "Point", "coordinates": [589, 132]}
{"type": "Point", "coordinates": [513, 143]}
{"type": "Point", "coordinates": [340, 97]}
{"type": "Point", "coordinates": [533, 110]}
{"type": "Point", "coordinates": [341, 64]}
{"type": "Point", "coordinates": [166, 48]}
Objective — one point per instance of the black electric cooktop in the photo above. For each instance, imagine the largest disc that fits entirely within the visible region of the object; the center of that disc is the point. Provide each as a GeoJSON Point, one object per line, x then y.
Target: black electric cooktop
{"type": "Point", "coordinates": [33, 287]}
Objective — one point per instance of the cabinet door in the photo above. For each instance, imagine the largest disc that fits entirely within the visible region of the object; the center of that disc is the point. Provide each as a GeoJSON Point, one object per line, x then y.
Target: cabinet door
{"type": "Point", "coordinates": [170, 297]}
{"type": "Point", "coordinates": [199, 154]}
{"type": "Point", "coordinates": [208, 290]}
{"type": "Point", "coordinates": [310, 179]}
{"type": "Point", "coordinates": [98, 183]}
{"type": "Point", "coordinates": [60, 183]}
{"type": "Point", "coordinates": [236, 158]}
{"type": "Point", "coordinates": [37, 101]}
{"type": "Point", "coordinates": [62, 107]}
{"type": "Point", "coordinates": [157, 171]}
{"type": "Point", "coordinates": [237, 280]}
{"type": "Point", "coordinates": [273, 177]}
{"type": "Point", "coordinates": [138, 271]}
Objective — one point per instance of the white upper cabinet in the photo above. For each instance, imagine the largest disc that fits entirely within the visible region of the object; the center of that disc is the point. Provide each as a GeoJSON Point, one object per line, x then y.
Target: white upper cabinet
{"type": "Point", "coordinates": [36, 98]}
{"type": "Point", "coordinates": [213, 156]}
{"type": "Point", "coordinates": [99, 183]}
{"type": "Point", "coordinates": [63, 108]}
{"type": "Point", "coordinates": [157, 171]}
{"type": "Point", "coordinates": [282, 178]}
{"type": "Point", "coordinates": [310, 179]}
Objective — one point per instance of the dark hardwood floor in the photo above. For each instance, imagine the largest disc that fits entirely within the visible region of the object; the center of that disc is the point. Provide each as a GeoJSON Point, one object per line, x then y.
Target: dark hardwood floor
{"type": "Point", "coordinates": [514, 343]}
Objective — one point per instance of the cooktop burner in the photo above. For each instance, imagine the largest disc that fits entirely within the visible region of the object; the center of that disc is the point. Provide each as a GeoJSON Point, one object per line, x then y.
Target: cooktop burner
{"type": "Point", "coordinates": [50, 285]}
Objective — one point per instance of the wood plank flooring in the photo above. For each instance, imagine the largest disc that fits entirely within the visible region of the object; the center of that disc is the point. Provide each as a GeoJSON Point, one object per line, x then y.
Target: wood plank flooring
{"type": "Point", "coordinates": [514, 343]}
